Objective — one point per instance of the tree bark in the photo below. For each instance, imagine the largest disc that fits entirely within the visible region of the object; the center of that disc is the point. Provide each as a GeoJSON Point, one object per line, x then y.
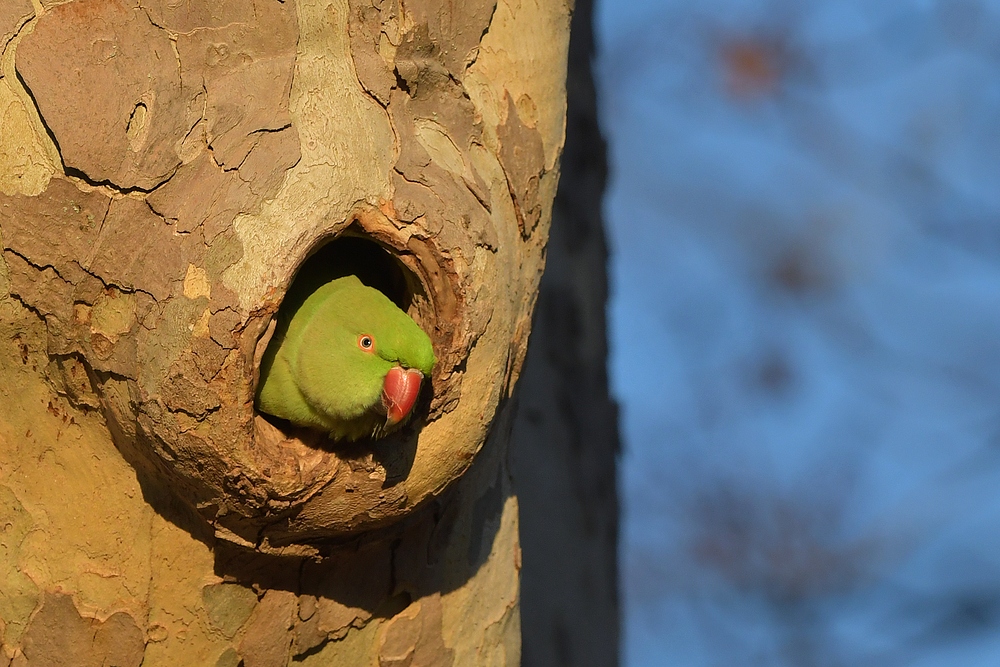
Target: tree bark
{"type": "Point", "coordinates": [165, 170]}
{"type": "Point", "coordinates": [565, 442]}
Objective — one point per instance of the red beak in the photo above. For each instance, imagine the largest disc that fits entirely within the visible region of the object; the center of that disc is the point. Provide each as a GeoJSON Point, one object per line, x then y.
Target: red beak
{"type": "Point", "coordinates": [399, 392]}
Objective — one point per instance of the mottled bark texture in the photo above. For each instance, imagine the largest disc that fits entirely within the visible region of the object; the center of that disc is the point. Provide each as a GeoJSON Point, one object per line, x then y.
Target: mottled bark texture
{"type": "Point", "coordinates": [565, 440]}
{"type": "Point", "coordinates": [166, 167]}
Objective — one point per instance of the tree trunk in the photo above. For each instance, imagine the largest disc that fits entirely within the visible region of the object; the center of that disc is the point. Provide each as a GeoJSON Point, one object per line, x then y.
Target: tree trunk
{"type": "Point", "coordinates": [565, 442]}
{"type": "Point", "coordinates": [166, 168]}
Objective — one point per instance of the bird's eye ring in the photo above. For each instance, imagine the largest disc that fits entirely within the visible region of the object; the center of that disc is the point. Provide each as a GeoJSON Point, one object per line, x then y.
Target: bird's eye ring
{"type": "Point", "coordinates": [366, 342]}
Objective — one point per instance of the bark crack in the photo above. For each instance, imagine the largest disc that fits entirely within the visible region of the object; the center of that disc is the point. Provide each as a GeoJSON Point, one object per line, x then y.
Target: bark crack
{"type": "Point", "coordinates": [42, 267]}
{"type": "Point", "coordinates": [17, 33]}
{"type": "Point", "coordinates": [255, 133]}
{"type": "Point", "coordinates": [73, 172]}
{"type": "Point", "coordinates": [486, 31]}
{"type": "Point", "coordinates": [410, 180]}
{"type": "Point", "coordinates": [150, 19]}
{"type": "Point", "coordinates": [174, 34]}
{"type": "Point", "coordinates": [27, 306]}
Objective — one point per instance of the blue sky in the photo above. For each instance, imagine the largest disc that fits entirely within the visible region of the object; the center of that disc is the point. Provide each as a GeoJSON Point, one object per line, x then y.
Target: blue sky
{"type": "Point", "coordinates": [803, 215]}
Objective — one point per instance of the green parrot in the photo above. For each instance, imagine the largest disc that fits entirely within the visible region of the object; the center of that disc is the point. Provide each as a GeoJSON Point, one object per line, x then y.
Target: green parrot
{"type": "Point", "coordinates": [344, 359]}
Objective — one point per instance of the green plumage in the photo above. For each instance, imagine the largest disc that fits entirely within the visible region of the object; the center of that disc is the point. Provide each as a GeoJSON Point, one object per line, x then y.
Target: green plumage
{"type": "Point", "coordinates": [315, 373]}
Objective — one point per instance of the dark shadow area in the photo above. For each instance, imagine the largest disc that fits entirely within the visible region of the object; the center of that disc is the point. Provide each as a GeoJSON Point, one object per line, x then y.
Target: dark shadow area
{"type": "Point", "coordinates": [352, 253]}
{"type": "Point", "coordinates": [565, 441]}
{"type": "Point", "coordinates": [436, 549]}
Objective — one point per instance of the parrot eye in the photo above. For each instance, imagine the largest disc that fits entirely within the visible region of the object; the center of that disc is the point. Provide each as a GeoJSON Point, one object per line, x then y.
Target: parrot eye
{"type": "Point", "coordinates": [366, 343]}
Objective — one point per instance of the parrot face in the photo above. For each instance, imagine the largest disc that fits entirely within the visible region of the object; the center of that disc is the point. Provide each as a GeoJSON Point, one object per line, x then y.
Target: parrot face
{"type": "Point", "coordinates": [347, 361]}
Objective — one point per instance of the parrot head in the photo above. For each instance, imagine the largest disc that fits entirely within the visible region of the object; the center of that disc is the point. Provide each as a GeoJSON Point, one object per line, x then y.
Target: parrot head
{"type": "Point", "coordinates": [347, 360]}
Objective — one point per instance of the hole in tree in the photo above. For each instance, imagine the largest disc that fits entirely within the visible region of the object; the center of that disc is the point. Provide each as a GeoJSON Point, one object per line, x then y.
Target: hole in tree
{"type": "Point", "coordinates": [351, 253]}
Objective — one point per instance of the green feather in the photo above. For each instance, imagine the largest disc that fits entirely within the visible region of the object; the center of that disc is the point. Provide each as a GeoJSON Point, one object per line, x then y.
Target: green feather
{"type": "Point", "coordinates": [315, 374]}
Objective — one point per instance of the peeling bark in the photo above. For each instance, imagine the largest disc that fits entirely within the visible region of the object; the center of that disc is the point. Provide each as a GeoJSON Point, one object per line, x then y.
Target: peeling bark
{"type": "Point", "coordinates": [125, 136]}
{"type": "Point", "coordinates": [165, 170]}
{"type": "Point", "coordinates": [13, 15]}
{"type": "Point", "coordinates": [59, 635]}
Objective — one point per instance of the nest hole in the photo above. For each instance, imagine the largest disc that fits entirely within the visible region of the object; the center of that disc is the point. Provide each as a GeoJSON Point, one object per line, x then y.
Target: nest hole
{"type": "Point", "coordinates": [350, 253]}
{"type": "Point", "coordinates": [353, 254]}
